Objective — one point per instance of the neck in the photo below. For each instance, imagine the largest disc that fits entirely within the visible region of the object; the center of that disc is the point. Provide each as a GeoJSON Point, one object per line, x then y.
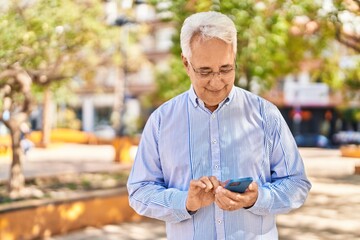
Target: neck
{"type": "Point", "coordinates": [211, 108]}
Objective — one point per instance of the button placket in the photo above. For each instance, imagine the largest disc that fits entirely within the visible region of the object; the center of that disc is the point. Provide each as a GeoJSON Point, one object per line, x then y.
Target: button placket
{"type": "Point", "coordinates": [215, 151]}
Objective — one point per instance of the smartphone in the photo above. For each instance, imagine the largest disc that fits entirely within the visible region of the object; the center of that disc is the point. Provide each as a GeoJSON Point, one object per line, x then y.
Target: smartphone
{"type": "Point", "coordinates": [239, 185]}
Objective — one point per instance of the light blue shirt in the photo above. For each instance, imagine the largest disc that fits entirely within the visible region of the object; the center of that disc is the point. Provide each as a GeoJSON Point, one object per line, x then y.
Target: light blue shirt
{"type": "Point", "coordinates": [246, 136]}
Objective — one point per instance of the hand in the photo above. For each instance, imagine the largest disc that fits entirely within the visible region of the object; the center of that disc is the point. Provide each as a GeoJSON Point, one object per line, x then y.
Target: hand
{"type": "Point", "coordinates": [230, 201]}
{"type": "Point", "coordinates": [201, 193]}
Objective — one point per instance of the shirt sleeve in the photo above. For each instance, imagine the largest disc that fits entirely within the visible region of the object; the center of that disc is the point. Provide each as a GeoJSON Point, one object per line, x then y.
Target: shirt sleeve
{"type": "Point", "coordinates": [288, 185]}
{"type": "Point", "coordinates": [148, 193]}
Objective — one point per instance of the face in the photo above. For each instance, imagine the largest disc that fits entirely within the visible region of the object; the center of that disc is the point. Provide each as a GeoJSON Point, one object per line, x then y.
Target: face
{"type": "Point", "coordinates": [213, 55]}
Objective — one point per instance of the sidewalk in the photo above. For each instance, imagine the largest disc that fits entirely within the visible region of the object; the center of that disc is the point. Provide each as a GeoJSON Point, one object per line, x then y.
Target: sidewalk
{"type": "Point", "coordinates": [65, 158]}
{"type": "Point", "coordinates": [145, 230]}
{"type": "Point", "coordinates": [332, 210]}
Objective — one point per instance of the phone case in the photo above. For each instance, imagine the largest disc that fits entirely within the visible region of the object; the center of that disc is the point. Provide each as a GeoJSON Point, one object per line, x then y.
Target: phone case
{"type": "Point", "coordinates": [239, 185]}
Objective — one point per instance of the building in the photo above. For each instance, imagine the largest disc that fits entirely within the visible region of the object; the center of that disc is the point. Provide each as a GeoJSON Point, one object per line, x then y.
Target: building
{"type": "Point", "coordinates": [113, 97]}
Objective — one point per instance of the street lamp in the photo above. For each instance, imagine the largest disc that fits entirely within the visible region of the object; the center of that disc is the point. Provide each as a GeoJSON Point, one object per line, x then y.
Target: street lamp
{"type": "Point", "coordinates": [122, 21]}
{"type": "Point", "coordinates": [127, 4]}
{"type": "Point", "coordinates": [120, 89]}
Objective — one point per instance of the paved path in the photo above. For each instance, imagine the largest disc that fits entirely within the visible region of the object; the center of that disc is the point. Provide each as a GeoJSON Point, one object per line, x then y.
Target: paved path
{"type": "Point", "coordinates": [332, 210]}
{"type": "Point", "coordinates": [145, 230]}
{"type": "Point", "coordinates": [64, 158]}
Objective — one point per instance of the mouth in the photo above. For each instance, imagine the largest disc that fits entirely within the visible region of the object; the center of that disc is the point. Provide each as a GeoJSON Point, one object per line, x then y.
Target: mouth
{"type": "Point", "coordinates": [214, 90]}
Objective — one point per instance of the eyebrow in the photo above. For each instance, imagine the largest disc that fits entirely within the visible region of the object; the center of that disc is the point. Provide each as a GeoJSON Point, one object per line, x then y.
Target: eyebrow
{"type": "Point", "coordinates": [209, 68]}
{"type": "Point", "coordinates": [226, 65]}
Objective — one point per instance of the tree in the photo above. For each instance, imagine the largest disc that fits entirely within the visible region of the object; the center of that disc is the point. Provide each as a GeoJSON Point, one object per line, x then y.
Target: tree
{"type": "Point", "coordinates": [345, 17]}
{"type": "Point", "coordinates": [15, 108]}
{"type": "Point", "coordinates": [44, 44]}
{"type": "Point", "coordinates": [275, 38]}
{"type": "Point", "coordinates": [341, 70]}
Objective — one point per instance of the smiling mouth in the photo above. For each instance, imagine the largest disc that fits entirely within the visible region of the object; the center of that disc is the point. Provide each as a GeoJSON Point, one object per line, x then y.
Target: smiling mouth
{"type": "Point", "coordinates": [214, 91]}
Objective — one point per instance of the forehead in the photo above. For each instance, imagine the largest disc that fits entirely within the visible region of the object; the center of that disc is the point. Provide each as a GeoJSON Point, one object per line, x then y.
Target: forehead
{"type": "Point", "coordinates": [211, 52]}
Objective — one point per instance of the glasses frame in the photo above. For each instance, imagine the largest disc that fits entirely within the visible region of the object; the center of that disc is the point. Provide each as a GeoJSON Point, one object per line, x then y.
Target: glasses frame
{"type": "Point", "coordinates": [211, 74]}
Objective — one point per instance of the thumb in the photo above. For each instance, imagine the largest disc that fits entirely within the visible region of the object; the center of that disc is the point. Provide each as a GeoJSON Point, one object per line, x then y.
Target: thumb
{"type": "Point", "coordinates": [252, 186]}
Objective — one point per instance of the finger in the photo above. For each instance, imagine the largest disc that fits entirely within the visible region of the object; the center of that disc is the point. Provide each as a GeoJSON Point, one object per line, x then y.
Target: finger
{"type": "Point", "coordinates": [208, 184]}
{"type": "Point", "coordinates": [253, 187]}
{"type": "Point", "coordinates": [251, 196]}
{"type": "Point", "coordinates": [215, 182]}
{"type": "Point", "coordinates": [222, 197]}
{"type": "Point", "coordinates": [194, 184]}
{"type": "Point", "coordinates": [226, 203]}
{"type": "Point", "coordinates": [220, 204]}
{"type": "Point", "coordinates": [227, 194]}
{"type": "Point", "coordinates": [223, 184]}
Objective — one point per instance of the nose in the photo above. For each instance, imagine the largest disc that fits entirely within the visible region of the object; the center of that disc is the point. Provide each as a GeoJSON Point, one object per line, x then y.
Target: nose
{"type": "Point", "coordinates": [216, 74]}
{"type": "Point", "coordinates": [216, 82]}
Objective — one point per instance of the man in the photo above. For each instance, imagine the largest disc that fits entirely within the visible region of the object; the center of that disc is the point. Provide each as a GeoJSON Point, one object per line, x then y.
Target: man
{"type": "Point", "coordinates": [214, 132]}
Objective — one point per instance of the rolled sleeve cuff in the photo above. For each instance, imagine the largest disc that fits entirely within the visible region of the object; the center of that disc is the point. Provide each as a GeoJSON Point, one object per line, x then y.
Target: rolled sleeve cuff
{"type": "Point", "coordinates": [179, 206]}
{"type": "Point", "coordinates": [263, 203]}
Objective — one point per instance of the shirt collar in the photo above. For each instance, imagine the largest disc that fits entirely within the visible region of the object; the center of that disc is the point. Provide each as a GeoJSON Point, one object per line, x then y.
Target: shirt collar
{"type": "Point", "coordinates": [195, 100]}
{"type": "Point", "coordinates": [231, 96]}
{"type": "Point", "coordinates": [193, 97]}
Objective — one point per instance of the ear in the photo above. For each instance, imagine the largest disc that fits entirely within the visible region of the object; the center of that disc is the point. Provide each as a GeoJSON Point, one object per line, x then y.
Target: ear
{"type": "Point", "coordinates": [185, 61]}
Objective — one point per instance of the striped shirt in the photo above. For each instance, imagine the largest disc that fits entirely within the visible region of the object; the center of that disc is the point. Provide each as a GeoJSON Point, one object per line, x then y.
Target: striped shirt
{"type": "Point", "coordinates": [246, 136]}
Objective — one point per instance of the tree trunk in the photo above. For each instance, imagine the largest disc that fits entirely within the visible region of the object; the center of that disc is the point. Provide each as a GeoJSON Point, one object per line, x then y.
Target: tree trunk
{"type": "Point", "coordinates": [46, 121]}
{"type": "Point", "coordinates": [16, 180]}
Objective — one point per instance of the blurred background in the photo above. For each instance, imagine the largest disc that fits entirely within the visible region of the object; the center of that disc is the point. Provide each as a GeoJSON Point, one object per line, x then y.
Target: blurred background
{"type": "Point", "coordinates": [88, 73]}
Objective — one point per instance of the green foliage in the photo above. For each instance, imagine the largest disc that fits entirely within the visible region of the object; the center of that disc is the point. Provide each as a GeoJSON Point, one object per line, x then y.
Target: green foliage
{"type": "Point", "coordinates": [44, 44]}
{"type": "Point", "coordinates": [274, 39]}
{"type": "Point", "coordinates": [352, 78]}
{"type": "Point", "coordinates": [53, 41]}
{"type": "Point", "coordinates": [170, 85]}
{"type": "Point", "coordinates": [350, 114]}
{"type": "Point", "coordinates": [67, 119]}
{"type": "Point", "coordinates": [345, 79]}
{"type": "Point", "coordinates": [56, 38]}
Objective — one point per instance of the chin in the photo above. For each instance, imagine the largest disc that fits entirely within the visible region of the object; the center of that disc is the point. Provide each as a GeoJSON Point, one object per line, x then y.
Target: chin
{"type": "Point", "coordinates": [214, 103]}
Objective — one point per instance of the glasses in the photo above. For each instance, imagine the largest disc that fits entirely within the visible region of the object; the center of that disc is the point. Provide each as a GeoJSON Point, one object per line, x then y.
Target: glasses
{"type": "Point", "coordinates": [208, 74]}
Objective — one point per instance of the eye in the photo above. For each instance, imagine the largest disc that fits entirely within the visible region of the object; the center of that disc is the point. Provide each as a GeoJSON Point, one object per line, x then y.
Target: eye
{"type": "Point", "coordinates": [205, 74]}
{"type": "Point", "coordinates": [225, 71]}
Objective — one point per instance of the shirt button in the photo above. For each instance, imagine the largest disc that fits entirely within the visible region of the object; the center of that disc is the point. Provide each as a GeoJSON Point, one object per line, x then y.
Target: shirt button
{"type": "Point", "coordinates": [219, 221]}
{"type": "Point", "coordinates": [213, 116]}
{"type": "Point", "coordinates": [214, 141]}
{"type": "Point", "coordinates": [216, 166]}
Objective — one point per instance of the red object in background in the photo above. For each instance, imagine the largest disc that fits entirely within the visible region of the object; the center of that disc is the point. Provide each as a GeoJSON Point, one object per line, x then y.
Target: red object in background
{"type": "Point", "coordinates": [328, 115]}
{"type": "Point", "coordinates": [305, 115]}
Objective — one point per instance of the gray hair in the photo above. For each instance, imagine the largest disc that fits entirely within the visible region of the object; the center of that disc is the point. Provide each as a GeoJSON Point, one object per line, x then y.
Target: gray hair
{"type": "Point", "coordinates": [208, 25]}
